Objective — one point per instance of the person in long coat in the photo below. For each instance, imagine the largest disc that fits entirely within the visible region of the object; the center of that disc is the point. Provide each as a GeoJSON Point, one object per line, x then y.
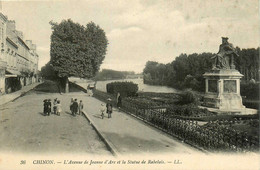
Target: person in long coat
{"type": "Point", "coordinates": [49, 107]}
{"type": "Point", "coordinates": [75, 107]}
{"type": "Point", "coordinates": [109, 108]}
{"type": "Point", "coordinates": [119, 100]}
{"type": "Point", "coordinates": [71, 105]}
{"type": "Point", "coordinates": [45, 107]}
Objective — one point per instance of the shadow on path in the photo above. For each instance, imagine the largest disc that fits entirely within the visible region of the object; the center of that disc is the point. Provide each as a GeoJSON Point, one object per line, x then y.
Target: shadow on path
{"type": "Point", "coordinates": [132, 144]}
{"type": "Point", "coordinates": [98, 116]}
{"type": "Point", "coordinates": [41, 113]}
{"type": "Point", "coordinates": [69, 113]}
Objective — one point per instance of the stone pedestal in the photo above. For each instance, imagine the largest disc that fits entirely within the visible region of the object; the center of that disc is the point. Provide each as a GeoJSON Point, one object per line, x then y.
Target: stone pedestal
{"type": "Point", "coordinates": [223, 90]}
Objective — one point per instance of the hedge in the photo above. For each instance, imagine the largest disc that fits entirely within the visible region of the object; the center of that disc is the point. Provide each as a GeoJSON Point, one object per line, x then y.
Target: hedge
{"type": "Point", "coordinates": [250, 90]}
{"type": "Point", "coordinates": [126, 89]}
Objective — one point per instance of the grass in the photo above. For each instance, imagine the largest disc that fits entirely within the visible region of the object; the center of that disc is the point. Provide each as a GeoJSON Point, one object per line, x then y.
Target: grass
{"type": "Point", "coordinates": [50, 86]}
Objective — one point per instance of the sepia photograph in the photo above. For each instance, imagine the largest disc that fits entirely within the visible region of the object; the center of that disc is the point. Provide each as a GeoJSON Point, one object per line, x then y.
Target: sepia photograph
{"type": "Point", "coordinates": [129, 84]}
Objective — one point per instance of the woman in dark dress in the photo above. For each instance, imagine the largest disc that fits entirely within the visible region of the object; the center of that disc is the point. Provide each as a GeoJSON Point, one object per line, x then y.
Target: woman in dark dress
{"type": "Point", "coordinates": [49, 107]}
{"type": "Point", "coordinates": [45, 107]}
{"type": "Point", "coordinates": [119, 100]}
{"type": "Point", "coordinates": [109, 108]}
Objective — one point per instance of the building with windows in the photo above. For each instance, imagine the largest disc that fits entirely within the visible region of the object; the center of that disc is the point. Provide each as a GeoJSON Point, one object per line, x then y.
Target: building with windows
{"type": "Point", "coordinates": [18, 60]}
{"type": "Point", "coordinates": [3, 63]}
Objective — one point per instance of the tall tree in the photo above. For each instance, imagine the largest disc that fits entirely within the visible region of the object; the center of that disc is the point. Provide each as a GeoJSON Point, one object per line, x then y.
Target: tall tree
{"type": "Point", "coordinates": [47, 72]}
{"type": "Point", "coordinates": [77, 50]}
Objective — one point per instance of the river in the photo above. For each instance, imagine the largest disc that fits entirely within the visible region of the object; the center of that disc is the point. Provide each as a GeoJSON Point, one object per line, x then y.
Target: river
{"type": "Point", "coordinates": [101, 85]}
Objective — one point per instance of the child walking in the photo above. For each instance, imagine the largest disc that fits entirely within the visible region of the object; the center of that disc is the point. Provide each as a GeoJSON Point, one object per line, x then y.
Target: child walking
{"type": "Point", "coordinates": [80, 107]}
{"type": "Point", "coordinates": [58, 108]}
{"type": "Point", "coordinates": [55, 106]}
{"type": "Point", "coordinates": [102, 110]}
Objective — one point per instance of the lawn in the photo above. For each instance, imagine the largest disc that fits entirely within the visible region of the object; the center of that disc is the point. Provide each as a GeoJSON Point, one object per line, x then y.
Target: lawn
{"type": "Point", "coordinates": [51, 86]}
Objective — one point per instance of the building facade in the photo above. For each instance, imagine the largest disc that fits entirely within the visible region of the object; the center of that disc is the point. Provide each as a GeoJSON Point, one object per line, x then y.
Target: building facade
{"type": "Point", "coordinates": [18, 60]}
{"type": "Point", "coordinates": [3, 64]}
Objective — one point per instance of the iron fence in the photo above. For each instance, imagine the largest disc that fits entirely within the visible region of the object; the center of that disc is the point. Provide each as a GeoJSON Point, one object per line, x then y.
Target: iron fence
{"type": "Point", "coordinates": [214, 136]}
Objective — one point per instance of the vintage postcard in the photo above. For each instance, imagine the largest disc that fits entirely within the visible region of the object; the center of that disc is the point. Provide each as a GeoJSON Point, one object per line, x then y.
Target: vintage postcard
{"type": "Point", "coordinates": [129, 84]}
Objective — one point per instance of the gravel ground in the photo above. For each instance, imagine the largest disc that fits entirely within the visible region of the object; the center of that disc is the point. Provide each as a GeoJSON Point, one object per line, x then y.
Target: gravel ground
{"type": "Point", "coordinates": [24, 128]}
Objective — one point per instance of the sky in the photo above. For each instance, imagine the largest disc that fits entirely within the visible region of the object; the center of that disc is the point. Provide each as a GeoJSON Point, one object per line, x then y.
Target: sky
{"type": "Point", "coordinates": [143, 30]}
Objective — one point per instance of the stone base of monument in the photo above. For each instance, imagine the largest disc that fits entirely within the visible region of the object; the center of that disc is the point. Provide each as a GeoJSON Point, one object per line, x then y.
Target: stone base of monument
{"type": "Point", "coordinates": [222, 93]}
{"type": "Point", "coordinates": [244, 111]}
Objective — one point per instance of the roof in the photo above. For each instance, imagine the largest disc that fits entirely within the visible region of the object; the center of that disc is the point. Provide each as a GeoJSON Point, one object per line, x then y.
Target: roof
{"type": "Point", "coordinates": [11, 42]}
{"type": "Point", "coordinates": [19, 38]}
{"type": "Point", "coordinates": [3, 16]}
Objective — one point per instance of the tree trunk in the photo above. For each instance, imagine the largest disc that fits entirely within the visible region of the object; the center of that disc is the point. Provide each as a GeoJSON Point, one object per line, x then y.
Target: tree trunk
{"type": "Point", "coordinates": [66, 85]}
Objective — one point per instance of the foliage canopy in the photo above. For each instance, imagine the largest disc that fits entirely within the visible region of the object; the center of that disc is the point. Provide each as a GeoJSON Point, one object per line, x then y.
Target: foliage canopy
{"type": "Point", "coordinates": [186, 71]}
{"type": "Point", "coordinates": [77, 50]}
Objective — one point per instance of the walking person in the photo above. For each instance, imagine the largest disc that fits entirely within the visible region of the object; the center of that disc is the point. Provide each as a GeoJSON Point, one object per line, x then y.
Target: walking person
{"type": "Point", "coordinates": [80, 107]}
{"type": "Point", "coordinates": [75, 107]}
{"type": "Point", "coordinates": [71, 105]}
{"type": "Point", "coordinates": [102, 110]}
{"type": "Point", "coordinates": [45, 107]}
{"type": "Point", "coordinates": [49, 107]}
{"type": "Point", "coordinates": [109, 108]}
{"type": "Point", "coordinates": [54, 106]}
{"type": "Point", "coordinates": [119, 101]}
{"type": "Point", "coordinates": [58, 107]}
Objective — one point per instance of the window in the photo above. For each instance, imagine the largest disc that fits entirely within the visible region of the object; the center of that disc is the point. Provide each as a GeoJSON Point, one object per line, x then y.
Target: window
{"type": "Point", "coordinates": [2, 33]}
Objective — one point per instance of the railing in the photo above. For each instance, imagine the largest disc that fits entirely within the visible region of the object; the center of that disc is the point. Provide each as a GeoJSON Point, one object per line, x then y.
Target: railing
{"type": "Point", "coordinates": [213, 137]}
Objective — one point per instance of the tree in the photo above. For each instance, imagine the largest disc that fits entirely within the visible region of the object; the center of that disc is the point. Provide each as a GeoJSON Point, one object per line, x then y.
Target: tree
{"type": "Point", "coordinates": [248, 63]}
{"type": "Point", "coordinates": [186, 71]}
{"type": "Point", "coordinates": [77, 50]}
{"type": "Point", "coordinates": [150, 67]}
{"type": "Point", "coordinates": [47, 72]}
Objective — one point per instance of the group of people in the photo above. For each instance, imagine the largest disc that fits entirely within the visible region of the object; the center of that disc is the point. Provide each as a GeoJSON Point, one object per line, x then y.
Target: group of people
{"type": "Point", "coordinates": [47, 107]}
{"type": "Point", "coordinates": [107, 108]}
{"type": "Point", "coordinates": [75, 107]}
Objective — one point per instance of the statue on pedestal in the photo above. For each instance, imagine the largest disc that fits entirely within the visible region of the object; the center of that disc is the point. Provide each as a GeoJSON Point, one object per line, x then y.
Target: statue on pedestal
{"type": "Point", "coordinates": [224, 59]}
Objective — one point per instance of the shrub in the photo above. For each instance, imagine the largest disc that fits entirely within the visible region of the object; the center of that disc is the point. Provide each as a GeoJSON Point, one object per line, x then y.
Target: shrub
{"type": "Point", "coordinates": [126, 89]}
{"type": "Point", "coordinates": [189, 110]}
{"type": "Point", "coordinates": [191, 82]}
{"type": "Point", "coordinates": [188, 97]}
{"type": "Point", "coordinates": [254, 123]}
